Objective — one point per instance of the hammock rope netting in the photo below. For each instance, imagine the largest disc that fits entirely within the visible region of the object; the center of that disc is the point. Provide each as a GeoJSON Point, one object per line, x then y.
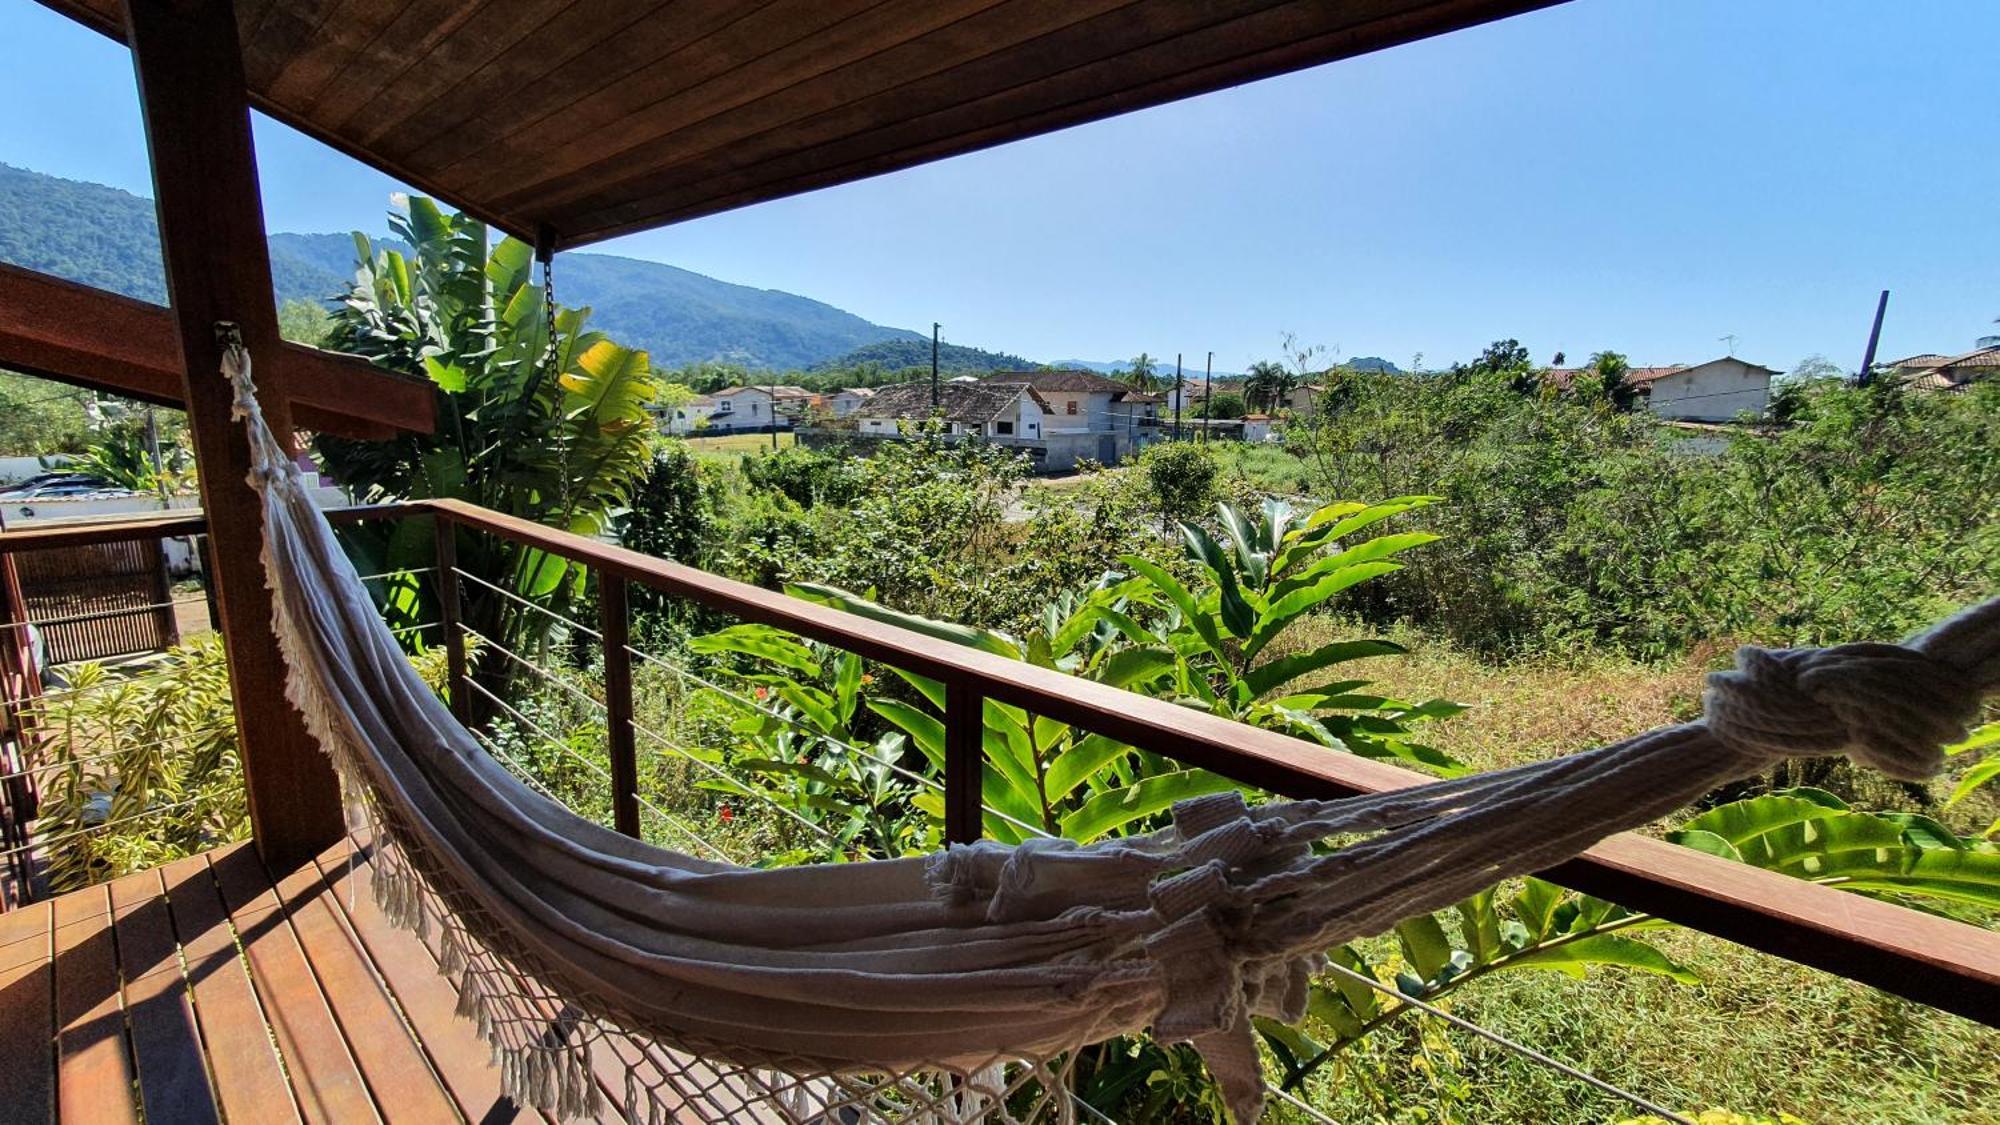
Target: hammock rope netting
{"type": "Point", "coordinates": [959, 987]}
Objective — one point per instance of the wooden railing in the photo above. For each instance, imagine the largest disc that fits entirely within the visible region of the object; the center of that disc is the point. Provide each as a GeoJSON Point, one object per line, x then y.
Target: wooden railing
{"type": "Point", "coordinates": [1936, 961]}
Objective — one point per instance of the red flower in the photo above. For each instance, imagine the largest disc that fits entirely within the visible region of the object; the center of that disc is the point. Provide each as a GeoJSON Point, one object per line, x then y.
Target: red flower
{"type": "Point", "coordinates": [725, 814]}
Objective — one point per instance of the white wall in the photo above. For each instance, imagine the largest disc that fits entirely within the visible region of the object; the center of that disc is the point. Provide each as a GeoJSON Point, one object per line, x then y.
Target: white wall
{"type": "Point", "coordinates": [1092, 411]}
{"type": "Point", "coordinates": [1716, 391]}
{"type": "Point", "coordinates": [14, 470]}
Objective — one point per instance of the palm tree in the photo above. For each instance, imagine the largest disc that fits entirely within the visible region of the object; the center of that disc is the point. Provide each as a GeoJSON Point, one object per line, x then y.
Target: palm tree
{"type": "Point", "coordinates": [1141, 374]}
{"type": "Point", "coordinates": [1268, 384]}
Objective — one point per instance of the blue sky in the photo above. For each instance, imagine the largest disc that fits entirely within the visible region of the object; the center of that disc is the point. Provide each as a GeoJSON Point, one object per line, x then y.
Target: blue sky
{"type": "Point", "coordinates": [1642, 175]}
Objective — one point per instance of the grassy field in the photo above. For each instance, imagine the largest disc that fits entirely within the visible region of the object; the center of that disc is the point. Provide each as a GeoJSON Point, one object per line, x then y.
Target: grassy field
{"type": "Point", "coordinates": [1759, 1036]}
{"type": "Point", "coordinates": [738, 443]}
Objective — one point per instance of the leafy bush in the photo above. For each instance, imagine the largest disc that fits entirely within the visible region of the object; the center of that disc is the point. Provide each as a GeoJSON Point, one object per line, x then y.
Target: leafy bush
{"type": "Point", "coordinates": [1182, 476]}
{"type": "Point", "coordinates": [1570, 520]}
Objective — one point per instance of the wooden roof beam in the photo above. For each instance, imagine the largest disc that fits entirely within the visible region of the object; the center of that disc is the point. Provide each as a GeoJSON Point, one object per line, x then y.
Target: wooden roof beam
{"type": "Point", "coordinates": [90, 338]}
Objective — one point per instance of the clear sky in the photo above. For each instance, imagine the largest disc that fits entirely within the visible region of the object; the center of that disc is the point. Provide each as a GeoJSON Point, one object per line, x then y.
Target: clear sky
{"type": "Point", "coordinates": [1642, 175]}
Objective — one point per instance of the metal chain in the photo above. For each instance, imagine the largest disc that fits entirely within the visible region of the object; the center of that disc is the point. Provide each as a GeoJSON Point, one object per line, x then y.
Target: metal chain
{"type": "Point", "coordinates": [549, 360]}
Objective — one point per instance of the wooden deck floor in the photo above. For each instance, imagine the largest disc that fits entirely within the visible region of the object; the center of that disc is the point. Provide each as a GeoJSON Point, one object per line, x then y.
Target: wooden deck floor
{"type": "Point", "coordinates": [203, 991]}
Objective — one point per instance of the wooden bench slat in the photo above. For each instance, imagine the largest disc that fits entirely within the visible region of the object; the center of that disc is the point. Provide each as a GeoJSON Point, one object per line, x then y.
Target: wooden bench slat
{"type": "Point", "coordinates": [27, 1013]}
{"type": "Point", "coordinates": [166, 1042]}
{"type": "Point", "coordinates": [93, 1068]}
{"type": "Point", "coordinates": [325, 1079]}
{"type": "Point", "coordinates": [409, 968]}
{"type": "Point", "coordinates": [396, 1069]}
{"type": "Point", "coordinates": [249, 1079]}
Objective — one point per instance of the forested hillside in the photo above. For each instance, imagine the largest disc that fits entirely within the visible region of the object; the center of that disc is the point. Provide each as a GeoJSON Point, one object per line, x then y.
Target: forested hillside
{"type": "Point", "coordinates": [105, 237]}
{"type": "Point", "coordinates": [953, 359]}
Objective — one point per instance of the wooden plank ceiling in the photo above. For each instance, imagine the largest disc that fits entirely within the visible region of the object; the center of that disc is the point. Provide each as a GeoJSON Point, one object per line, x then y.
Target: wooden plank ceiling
{"type": "Point", "coordinates": [593, 118]}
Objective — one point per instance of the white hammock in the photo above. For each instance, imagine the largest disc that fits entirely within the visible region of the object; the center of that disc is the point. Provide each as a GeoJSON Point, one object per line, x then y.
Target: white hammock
{"type": "Point", "coordinates": [954, 987]}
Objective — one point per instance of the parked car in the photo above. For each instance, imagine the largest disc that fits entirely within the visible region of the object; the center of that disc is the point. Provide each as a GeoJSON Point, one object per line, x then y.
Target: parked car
{"type": "Point", "coordinates": [54, 486]}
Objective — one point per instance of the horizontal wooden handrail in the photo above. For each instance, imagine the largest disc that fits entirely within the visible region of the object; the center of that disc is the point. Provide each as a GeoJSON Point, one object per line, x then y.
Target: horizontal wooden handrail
{"type": "Point", "coordinates": [1937, 961]}
{"type": "Point", "coordinates": [176, 524]}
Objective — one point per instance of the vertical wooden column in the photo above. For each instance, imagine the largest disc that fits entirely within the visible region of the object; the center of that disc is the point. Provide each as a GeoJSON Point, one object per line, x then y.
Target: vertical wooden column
{"type": "Point", "coordinates": [191, 94]}
{"type": "Point", "coordinates": [457, 683]}
{"type": "Point", "coordinates": [964, 755]}
{"type": "Point", "coordinates": [615, 615]}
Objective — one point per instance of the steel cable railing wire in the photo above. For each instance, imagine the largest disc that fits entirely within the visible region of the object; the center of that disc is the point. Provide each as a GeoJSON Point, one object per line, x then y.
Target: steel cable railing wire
{"type": "Point", "coordinates": [693, 677]}
{"type": "Point", "coordinates": [525, 603]}
{"type": "Point", "coordinates": [825, 739]}
{"type": "Point", "coordinates": [638, 728]}
{"type": "Point", "coordinates": [48, 841]}
{"type": "Point", "coordinates": [570, 751]}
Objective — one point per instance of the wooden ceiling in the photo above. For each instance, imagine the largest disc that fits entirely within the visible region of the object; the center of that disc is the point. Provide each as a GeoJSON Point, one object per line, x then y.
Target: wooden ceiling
{"type": "Point", "coordinates": [594, 118]}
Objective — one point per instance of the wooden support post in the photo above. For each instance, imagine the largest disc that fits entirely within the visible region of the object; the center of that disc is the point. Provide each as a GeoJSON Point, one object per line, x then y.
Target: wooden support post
{"type": "Point", "coordinates": [191, 94]}
{"type": "Point", "coordinates": [615, 617]}
{"type": "Point", "coordinates": [964, 754]}
{"type": "Point", "coordinates": [457, 683]}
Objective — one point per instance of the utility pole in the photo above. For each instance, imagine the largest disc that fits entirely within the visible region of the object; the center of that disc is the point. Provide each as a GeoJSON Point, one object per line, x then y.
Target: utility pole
{"type": "Point", "coordinates": [1180, 392]}
{"type": "Point", "coordinates": [1207, 394]}
{"type": "Point", "coordinates": [937, 393]}
{"type": "Point", "coordinates": [771, 388]}
{"type": "Point", "coordinates": [1867, 372]}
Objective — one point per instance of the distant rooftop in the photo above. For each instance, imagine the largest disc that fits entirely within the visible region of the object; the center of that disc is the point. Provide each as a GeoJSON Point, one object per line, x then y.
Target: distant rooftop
{"type": "Point", "coordinates": [1062, 382]}
{"type": "Point", "coordinates": [971, 404]}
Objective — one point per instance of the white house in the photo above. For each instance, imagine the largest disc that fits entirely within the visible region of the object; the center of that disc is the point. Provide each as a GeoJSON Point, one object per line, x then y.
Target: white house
{"type": "Point", "coordinates": [744, 408]}
{"type": "Point", "coordinates": [843, 403]}
{"type": "Point", "coordinates": [686, 418]}
{"type": "Point", "coordinates": [1717, 391]}
{"type": "Point", "coordinates": [986, 409]}
{"type": "Point", "coordinates": [1086, 402]}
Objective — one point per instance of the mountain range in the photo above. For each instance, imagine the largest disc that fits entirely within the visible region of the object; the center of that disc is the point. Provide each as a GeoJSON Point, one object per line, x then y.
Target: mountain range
{"type": "Point", "coordinates": [107, 238]}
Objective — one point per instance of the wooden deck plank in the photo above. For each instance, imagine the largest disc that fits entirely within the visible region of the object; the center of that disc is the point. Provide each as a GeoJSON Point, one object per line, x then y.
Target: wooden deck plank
{"type": "Point", "coordinates": [27, 1014]}
{"type": "Point", "coordinates": [166, 1042]}
{"type": "Point", "coordinates": [249, 1079]}
{"type": "Point", "coordinates": [325, 1079]}
{"type": "Point", "coordinates": [94, 1067]}
{"type": "Point", "coordinates": [398, 1073]}
{"type": "Point", "coordinates": [409, 968]}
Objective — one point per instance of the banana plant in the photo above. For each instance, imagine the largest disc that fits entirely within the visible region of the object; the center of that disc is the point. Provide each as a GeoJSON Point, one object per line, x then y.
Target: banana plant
{"type": "Point", "coordinates": [1986, 738]}
{"type": "Point", "coordinates": [1272, 569]}
{"type": "Point", "coordinates": [1039, 775]}
{"type": "Point", "coordinates": [553, 430]}
{"type": "Point", "coordinates": [1811, 834]}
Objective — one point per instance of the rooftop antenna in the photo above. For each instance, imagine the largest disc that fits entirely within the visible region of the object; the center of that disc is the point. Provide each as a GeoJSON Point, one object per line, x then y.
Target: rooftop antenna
{"type": "Point", "coordinates": [1729, 340]}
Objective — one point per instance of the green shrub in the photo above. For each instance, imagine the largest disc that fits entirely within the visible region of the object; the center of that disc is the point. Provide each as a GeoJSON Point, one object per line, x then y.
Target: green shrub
{"type": "Point", "coordinates": [1182, 476]}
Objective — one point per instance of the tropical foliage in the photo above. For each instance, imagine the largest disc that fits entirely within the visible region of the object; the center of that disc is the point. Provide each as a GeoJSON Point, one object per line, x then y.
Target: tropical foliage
{"type": "Point", "coordinates": [139, 764]}
{"type": "Point", "coordinates": [143, 768]}
{"type": "Point", "coordinates": [1147, 632]}
{"type": "Point", "coordinates": [538, 416]}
